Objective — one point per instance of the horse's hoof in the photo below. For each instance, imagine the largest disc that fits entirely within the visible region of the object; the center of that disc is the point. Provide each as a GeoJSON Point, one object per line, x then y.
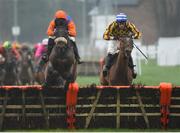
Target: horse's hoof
{"type": "Point", "coordinates": [134, 75]}
{"type": "Point", "coordinates": [44, 85]}
{"type": "Point", "coordinates": [105, 73]}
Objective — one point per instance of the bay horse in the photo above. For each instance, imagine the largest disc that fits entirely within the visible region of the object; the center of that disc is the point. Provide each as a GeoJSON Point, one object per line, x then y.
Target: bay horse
{"type": "Point", "coordinates": [39, 77]}
{"type": "Point", "coordinates": [26, 66]}
{"type": "Point", "coordinates": [11, 71]}
{"type": "Point", "coordinates": [120, 73]}
{"type": "Point", "coordinates": [61, 68]}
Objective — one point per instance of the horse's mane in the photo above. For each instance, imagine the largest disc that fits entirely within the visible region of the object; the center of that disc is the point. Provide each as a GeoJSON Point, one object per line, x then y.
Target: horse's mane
{"type": "Point", "coordinates": [125, 44]}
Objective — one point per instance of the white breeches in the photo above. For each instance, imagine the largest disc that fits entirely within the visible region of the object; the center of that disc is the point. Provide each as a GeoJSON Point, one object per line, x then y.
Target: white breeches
{"type": "Point", "coordinates": [72, 38]}
{"type": "Point", "coordinates": [112, 47]}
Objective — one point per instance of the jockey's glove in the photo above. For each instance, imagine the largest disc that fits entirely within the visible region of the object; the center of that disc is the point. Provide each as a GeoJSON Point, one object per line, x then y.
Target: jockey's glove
{"type": "Point", "coordinates": [106, 37]}
{"type": "Point", "coordinates": [136, 37]}
{"type": "Point", "coordinates": [112, 38]}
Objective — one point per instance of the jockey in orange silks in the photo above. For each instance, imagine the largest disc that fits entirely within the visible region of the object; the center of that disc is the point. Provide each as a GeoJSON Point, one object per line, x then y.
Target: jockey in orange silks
{"type": "Point", "coordinates": [61, 19]}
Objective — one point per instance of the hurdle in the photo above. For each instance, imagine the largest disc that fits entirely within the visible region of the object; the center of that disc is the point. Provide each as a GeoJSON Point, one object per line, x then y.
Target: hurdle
{"type": "Point", "coordinates": [94, 106]}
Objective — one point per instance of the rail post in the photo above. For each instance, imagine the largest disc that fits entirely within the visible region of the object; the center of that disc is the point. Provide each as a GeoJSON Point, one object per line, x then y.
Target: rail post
{"type": "Point", "coordinates": [71, 101]}
{"type": "Point", "coordinates": [165, 100]}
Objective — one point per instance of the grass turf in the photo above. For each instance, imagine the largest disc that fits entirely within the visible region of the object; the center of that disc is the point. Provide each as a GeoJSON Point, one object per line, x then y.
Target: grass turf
{"type": "Point", "coordinates": [152, 74]}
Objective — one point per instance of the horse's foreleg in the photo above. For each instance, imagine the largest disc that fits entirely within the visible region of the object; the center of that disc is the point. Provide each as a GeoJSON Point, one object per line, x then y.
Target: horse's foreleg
{"type": "Point", "coordinates": [69, 79]}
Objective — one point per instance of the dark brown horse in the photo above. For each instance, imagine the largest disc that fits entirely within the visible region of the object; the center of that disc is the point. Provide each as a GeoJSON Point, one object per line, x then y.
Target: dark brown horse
{"type": "Point", "coordinates": [61, 67]}
{"type": "Point", "coordinates": [120, 73]}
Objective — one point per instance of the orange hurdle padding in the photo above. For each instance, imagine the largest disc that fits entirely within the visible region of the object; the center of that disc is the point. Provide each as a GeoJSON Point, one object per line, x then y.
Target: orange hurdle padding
{"type": "Point", "coordinates": [71, 96]}
{"type": "Point", "coordinates": [165, 89]}
{"type": "Point", "coordinates": [71, 101]}
{"type": "Point", "coordinates": [21, 87]}
{"type": "Point", "coordinates": [165, 100]}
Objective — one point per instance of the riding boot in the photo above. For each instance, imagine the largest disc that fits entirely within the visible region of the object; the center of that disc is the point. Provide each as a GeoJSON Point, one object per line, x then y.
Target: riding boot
{"type": "Point", "coordinates": [131, 65]}
{"type": "Point", "coordinates": [76, 53]}
{"type": "Point", "coordinates": [108, 64]}
{"type": "Point", "coordinates": [51, 44]}
{"type": "Point", "coordinates": [45, 56]}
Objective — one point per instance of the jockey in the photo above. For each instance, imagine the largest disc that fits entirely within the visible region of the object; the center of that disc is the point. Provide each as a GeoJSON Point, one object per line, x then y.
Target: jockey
{"type": "Point", "coordinates": [61, 19]}
{"type": "Point", "coordinates": [118, 28]}
{"type": "Point", "coordinates": [8, 46]}
{"type": "Point", "coordinates": [16, 45]}
{"type": "Point", "coordinates": [39, 50]}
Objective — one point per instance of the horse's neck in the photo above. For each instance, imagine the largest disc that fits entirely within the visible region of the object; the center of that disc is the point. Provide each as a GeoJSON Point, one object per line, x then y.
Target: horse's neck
{"type": "Point", "coordinates": [57, 53]}
{"type": "Point", "coordinates": [121, 64]}
{"type": "Point", "coordinates": [61, 32]}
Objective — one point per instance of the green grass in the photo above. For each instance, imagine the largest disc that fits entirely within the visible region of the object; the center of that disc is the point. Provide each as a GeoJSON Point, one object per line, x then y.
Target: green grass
{"type": "Point", "coordinates": [86, 80]}
{"type": "Point", "coordinates": [152, 74]}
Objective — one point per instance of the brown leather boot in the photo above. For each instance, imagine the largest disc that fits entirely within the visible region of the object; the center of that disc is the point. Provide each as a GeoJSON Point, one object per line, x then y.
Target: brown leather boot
{"type": "Point", "coordinates": [76, 53]}
{"type": "Point", "coordinates": [108, 64]}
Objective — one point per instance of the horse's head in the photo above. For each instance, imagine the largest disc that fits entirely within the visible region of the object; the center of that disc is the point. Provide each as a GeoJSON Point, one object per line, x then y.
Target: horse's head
{"type": "Point", "coordinates": [125, 45]}
{"type": "Point", "coordinates": [26, 55]}
{"type": "Point", "coordinates": [61, 32]}
{"type": "Point", "coordinates": [9, 56]}
{"type": "Point", "coordinates": [62, 36]}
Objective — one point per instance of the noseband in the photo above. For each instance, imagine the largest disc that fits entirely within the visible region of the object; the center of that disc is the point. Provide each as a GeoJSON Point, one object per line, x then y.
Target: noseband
{"type": "Point", "coordinates": [61, 42]}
